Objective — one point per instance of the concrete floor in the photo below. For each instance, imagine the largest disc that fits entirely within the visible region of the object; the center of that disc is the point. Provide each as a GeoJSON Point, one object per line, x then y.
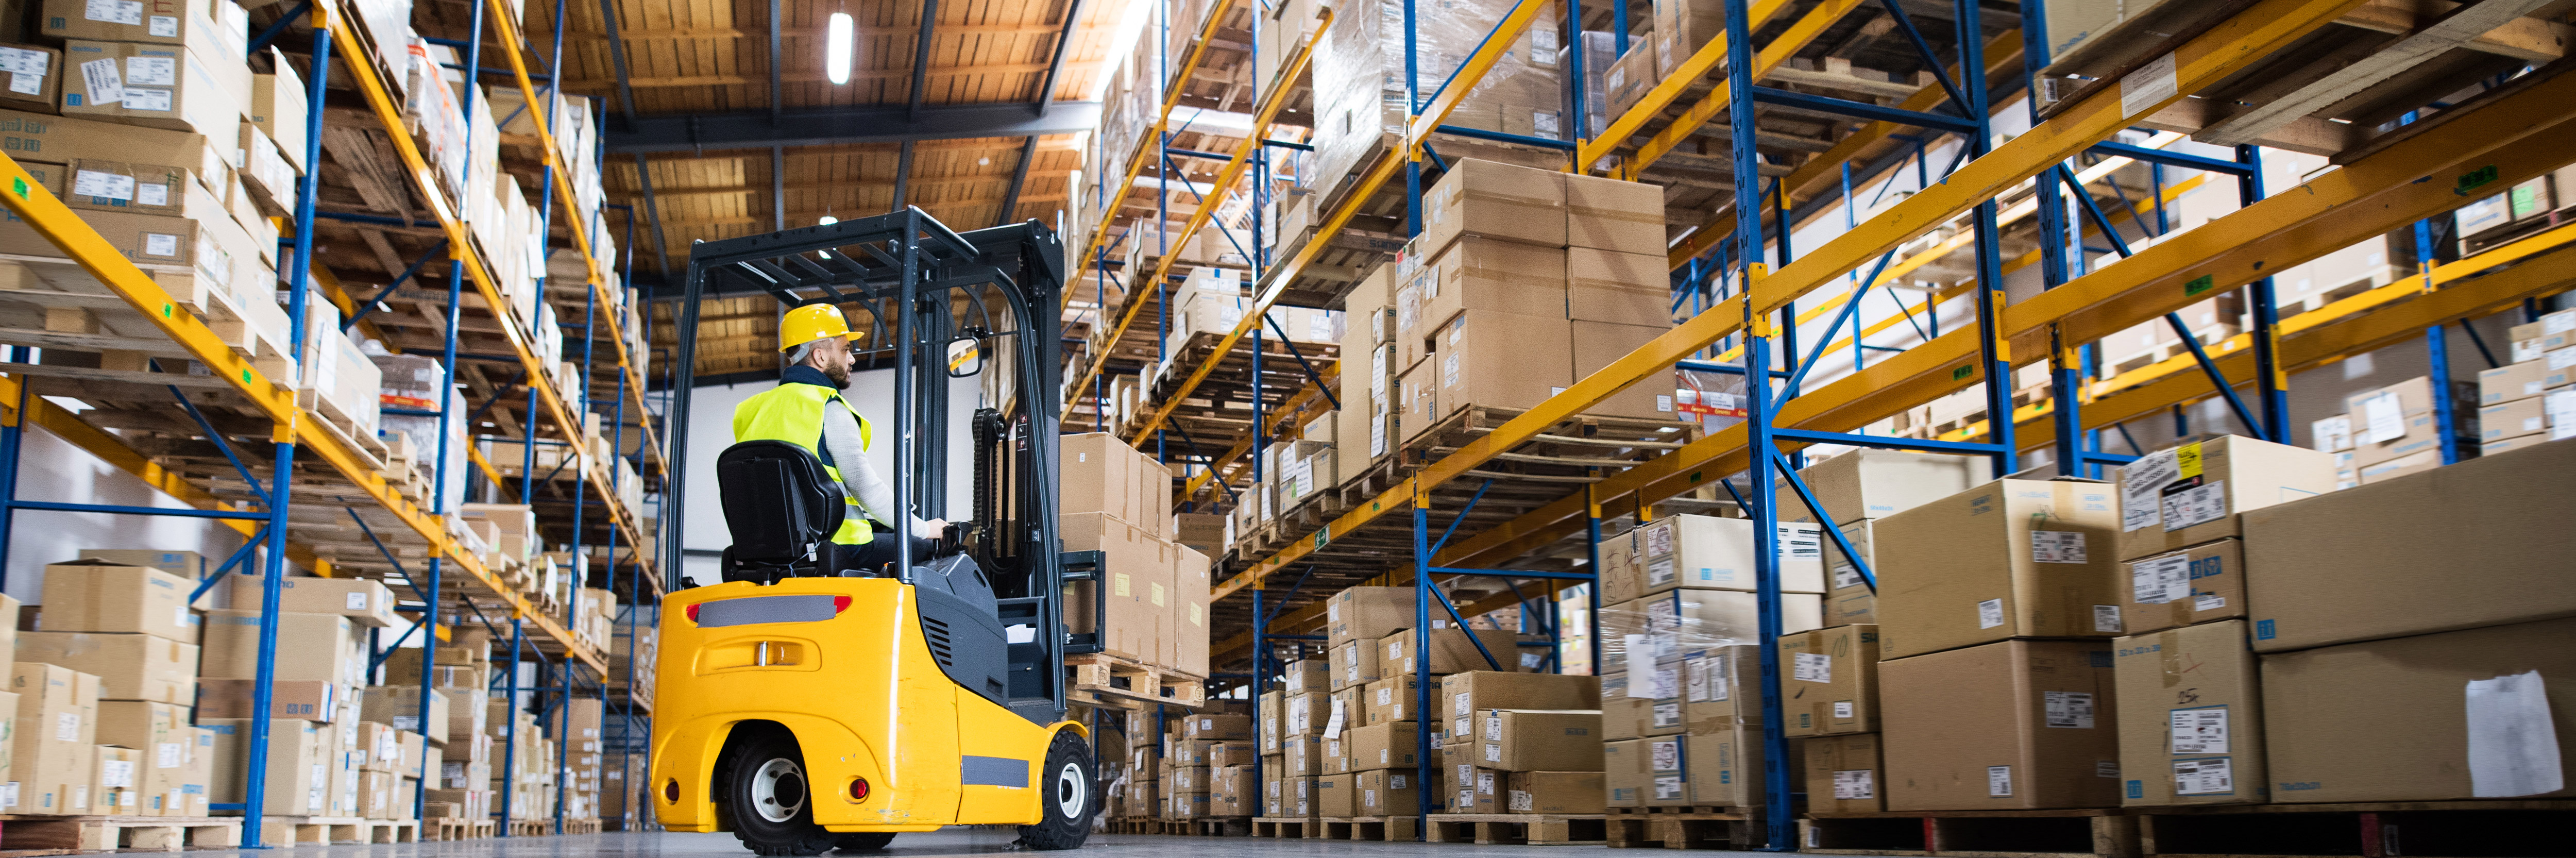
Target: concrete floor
{"type": "Point", "coordinates": [939, 844]}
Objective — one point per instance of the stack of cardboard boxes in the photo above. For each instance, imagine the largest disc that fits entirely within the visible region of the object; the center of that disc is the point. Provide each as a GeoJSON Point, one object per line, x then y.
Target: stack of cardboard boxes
{"type": "Point", "coordinates": [2533, 399]}
{"type": "Point", "coordinates": [2395, 430]}
{"type": "Point", "coordinates": [1118, 501]}
{"type": "Point", "coordinates": [1205, 765]}
{"type": "Point", "coordinates": [1520, 743]}
{"type": "Point", "coordinates": [1361, 63]}
{"type": "Point", "coordinates": [103, 696]}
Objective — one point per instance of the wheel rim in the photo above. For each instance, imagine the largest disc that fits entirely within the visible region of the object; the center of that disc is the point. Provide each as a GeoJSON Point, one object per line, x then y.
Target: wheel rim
{"type": "Point", "coordinates": [1069, 790]}
{"type": "Point", "coordinates": [778, 790]}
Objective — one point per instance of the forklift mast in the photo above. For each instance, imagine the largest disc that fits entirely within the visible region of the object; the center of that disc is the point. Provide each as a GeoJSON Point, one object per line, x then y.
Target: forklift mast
{"type": "Point", "coordinates": [940, 305]}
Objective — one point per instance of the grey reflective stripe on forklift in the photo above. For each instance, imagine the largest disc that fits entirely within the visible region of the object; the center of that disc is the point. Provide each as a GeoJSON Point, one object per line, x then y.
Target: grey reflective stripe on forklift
{"type": "Point", "coordinates": [993, 771]}
{"type": "Point", "coordinates": [764, 609]}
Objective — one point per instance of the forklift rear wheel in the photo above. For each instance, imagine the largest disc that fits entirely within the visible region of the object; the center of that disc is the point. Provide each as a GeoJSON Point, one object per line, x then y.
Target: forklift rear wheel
{"type": "Point", "coordinates": [865, 841]}
{"type": "Point", "coordinates": [771, 802]}
{"type": "Point", "coordinates": [1066, 802]}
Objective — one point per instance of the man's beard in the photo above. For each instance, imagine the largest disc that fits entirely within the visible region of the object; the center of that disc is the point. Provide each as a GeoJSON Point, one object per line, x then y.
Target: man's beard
{"type": "Point", "coordinates": [840, 376]}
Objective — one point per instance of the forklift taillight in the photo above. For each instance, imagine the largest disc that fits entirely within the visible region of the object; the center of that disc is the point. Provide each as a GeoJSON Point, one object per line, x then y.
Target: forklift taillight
{"type": "Point", "coordinates": [858, 789]}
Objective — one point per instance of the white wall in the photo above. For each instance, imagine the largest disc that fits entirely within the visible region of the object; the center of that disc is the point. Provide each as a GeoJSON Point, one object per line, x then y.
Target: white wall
{"type": "Point", "coordinates": [711, 431]}
{"type": "Point", "coordinates": [51, 469]}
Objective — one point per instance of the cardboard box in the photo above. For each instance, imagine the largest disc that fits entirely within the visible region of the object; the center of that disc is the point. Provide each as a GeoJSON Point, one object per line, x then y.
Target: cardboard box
{"type": "Point", "coordinates": [2014, 725]}
{"type": "Point", "coordinates": [95, 596]}
{"type": "Point", "coordinates": [1702, 552]}
{"type": "Point", "coordinates": [2393, 421]}
{"type": "Point", "coordinates": [1868, 484]}
{"type": "Point", "coordinates": [309, 699]}
{"type": "Point", "coordinates": [52, 737]}
{"type": "Point", "coordinates": [1381, 746]}
{"type": "Point", "coordinates": [399, 707]}
{"type": "Point", "coordinates": [185, 564]}
{"type": "Point", "coordinates": [1304, 756]}
{"type": "Point", "coordinates": [1185, 646]}
{"type": "Point", "coordinates": [57, 139]}
{"type": "Point", "coordinates": [2479, 713]}
{"type": "Point", "coordinates": [1843, 774]}
{"type": "Point", "coordinates": [174, 87]}
{"type": "Point", "coordinates": [1608, 214]}
{"type": "Point", "coordinates": [2188, 495]}
{"type": "Point", "coordinates": [1618, 288]}
{"type": "Point", "coordinates": [1722, 767]}
{"type": "Point", "coordinates": [1676, 622]}
{"type": "Point", "coordinates": [1214, 728]}
{"type": "Point", "coordinates": [1462, 695]}
{"type": "Point", "coordinates": [1494, 200]}
{"type": "Point", "coordinates": [1469, 789]}
{"type": "Point", "coordinates": [1355, 664]}
{"type": "Point", "coordinates": [2011, 558]}
{"type": "Point", "coordinates": [1189, 779]}
{"type": "Point", "coordinates": [1139, 596]}
{"type": "Point", "coordinates": [1554, 792]}
{"type": "Point", "coordinates": [1418, 402]}
{"type": "Point", "coordinates": [1851, 601]}
{"type": "Point", "coordinates": [35, 77]}
{"type": "Point", "coordinates": [2195, 585]}
{"type": "Point", "coordinates": [1393, 699]}
{"type": "Point", "coordinates": [1452, 650]}
{"type": "Point", "coordinates": [364, 601]}
{"type": "Point", "coordinates": [129, 666]}
{"type": "Point", "coordinates": [2452, 548]}
{"type": "Point", "coordinates": [1499, 360]}
{"type": "Point", "coordinates": [1307, 675]}
{"type": "Point", "coordinates": [1596, 345]}
{"type": "Point", "coordinates": [1337, 795]}
{"type": "Point", "coordinates": [2512, 419]}
{"type": "Point", "coordinates": [1305, 714]}
{"type": "Point", "coordinates": [1486, 274]}
{"type": "Point", "coordinates": [1623, 776]}
{"type": "Point", "coordinates": [1524, 740]}
{"type": "Point", "coordinates": [1367, 613]}
{"type": "Point", "coordinates": [1721, 687]}
{"type": "Point", "coordinates": [1829, 681]}
{"type": "Point", "coordinates": [2525, 380]}
{"type": "Point", "coordinates": [115, 783]}
{"type": "Point", "coordinates": [2411, 463]}
{"type": "Point", "coordinates": [277, 108]}
{"type": "Point", "coordinates": [325, 648]}
{"type": "Point", "coordinates": [1388, 792]}
{"type": "Point", "coordinates": [2191, 717]}
{"type": "Point", "coordinates": [208, 22]}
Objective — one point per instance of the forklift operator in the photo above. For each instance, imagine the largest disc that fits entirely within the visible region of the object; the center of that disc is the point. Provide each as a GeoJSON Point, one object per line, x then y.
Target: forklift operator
{"type": "Point", "coordinates": [806, 409]}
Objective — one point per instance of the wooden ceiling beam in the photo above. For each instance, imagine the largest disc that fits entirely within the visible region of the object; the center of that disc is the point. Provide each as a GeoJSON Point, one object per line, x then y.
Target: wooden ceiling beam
{"type": "Point", "coordinates": [710, 33]}
{"type": "Point", "coordinates": [641, 82]}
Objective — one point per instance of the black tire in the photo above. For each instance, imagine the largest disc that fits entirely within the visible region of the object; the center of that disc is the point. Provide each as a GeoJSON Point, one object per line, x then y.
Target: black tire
{"type": "Point", "coordinates": [1065, 796]}
{"type": "Point", "coordinates": [865, 841]}
{"type": "Point", "coordinates": [768, 799]}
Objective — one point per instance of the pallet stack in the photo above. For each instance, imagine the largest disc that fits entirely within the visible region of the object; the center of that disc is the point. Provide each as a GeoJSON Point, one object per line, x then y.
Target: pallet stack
{"type": "Point", "coordinates": [1116, 501]}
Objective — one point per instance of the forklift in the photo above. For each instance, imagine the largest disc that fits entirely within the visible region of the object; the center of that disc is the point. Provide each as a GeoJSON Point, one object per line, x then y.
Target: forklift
{"type": "Point", "coordinates": [805, 707]}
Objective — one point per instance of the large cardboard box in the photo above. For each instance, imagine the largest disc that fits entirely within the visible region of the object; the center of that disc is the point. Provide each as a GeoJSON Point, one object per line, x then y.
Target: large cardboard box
{"type": "Point", "coordinates": [2478, 713]}
{"type": "Point", "coordinates": [159, 732]}
{"type": "Point", "coordinates": [2393, 422]}
{"type": "Point", "coordinates": [1596, 345]}
{"type": "Point", "coordinates": [1553, 792]}
{"type": "Point", "coordinates": [1536, 740]}
{"type": "Point", "coordinates": [312, 647]}
{"type": "Point", "coordinates": [1367, 613]}
{"type": "Point", "coordinates": [1102, 475]}
{"type": "Point", "coordinates": [299, 762]}
{"type": "Point", "coordinates": [35, 78]}
{"type": "Point", "coordinates": [308, 700]}
{"type": "Point", "coordinates": [185, 564]}
{"type": "Point", "coordinates": [2525, 380]}
{"type": "Point", "coordinates": [1851, 601]}
{"type": "Point", "coordinates": [1623, 777]}
{"type": "Point", "coordinates": [364, 601]}
{"type": "Point", "coordinates": [1216, 728]}
{"type": "Point", "coordinates": [2195, 585]}
{"type": "Point", "coordinates": [1462, 695]}
{"type": "Point", "coordinates": [1139, 598]}
{"type": "Point", "coordinates": [1829, 681]}
{"type": "Point", "coordinates": [1843, 774]}
{"type": "Point", "coordinates": [128, 666]}
{"type": "Point", "coordinates": [213, 23]}
{"type": "Point", "coordinates": [1608, 214]}
{"type": "Point", "coordinates": [1677, 622]}
{"type": "Point", "coordinates": [1185, 639]}
{"type": "Point", "coordinates": [1468, 788]}
{"type": "Point", "coordinates": [2184, 496]}
{"type": "Point", "coordinates": [1381, 746]}
{"type": "Point", "coordinates": [53, 737]}
{"type": "Point", "coordinates": [1721, 687]}
{"type": "Point", "coordinates": [2011, 558]}
{"type": "Point", "coordinates": [1702, 552]}
{"type": "Point", "coordinates": [57, 139]}
{"type": "Point", "coordinates": [1493, 200]}
{"type": "Point", "coordinates": [1337, 795]}
{"type": "Point", "coordinates": [1392, 699]}
{"type": "Point", "coordinates": [1866, 484]}
{"type": "Point", "coordinates": [1390, 792]}
{"type": "Point", "coordinates": [174, 87]}
{"type": "Point", "coordinates": [116, 781]}
{"type": "Point", "coordinates": [399, 707]}
{"type": "Point", "coordinates": [1355, 663]}
{"type": "Point", "coordinates": [2191, 717]}
{"type": "Point", "coordinates": [1721, 767]}
{"type": "Point", "coordinates": [1484, 274]}
{"type": "Point", "coordinates": [96, 596]}
{"type": "Point", "coordinates": [2480, 543]}
{"type": "Point", "coordinates": [1307, 675]}
{"type": "Point", "coordinates": [1499, 360]}
{"type": "Point", "coordinates": [1618, 288]}
{"type": "Point", "coordinates": [1452, 650]}
{"type": "Point", "coordinates": [2013, 725]}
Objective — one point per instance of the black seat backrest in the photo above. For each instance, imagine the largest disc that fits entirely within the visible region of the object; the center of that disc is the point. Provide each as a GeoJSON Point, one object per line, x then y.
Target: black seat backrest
{"type": "Point", "coordinates": [777, 501]}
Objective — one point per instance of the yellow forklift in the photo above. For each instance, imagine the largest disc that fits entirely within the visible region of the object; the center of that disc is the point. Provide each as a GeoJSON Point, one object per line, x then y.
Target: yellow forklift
{"type": "Point", "coordinates": [804, 706]}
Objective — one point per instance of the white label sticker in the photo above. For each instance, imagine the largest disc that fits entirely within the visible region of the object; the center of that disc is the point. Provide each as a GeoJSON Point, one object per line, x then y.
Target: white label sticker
{"type": "Point", "coordinates": [152, 195]}
{"type": "Point", "coordinates": [1659, 540]}
{"type": "Point", "coordinates": [2150, 85]}
{"type": "Point", "coordinates": [1842, 709]}
{"type": "Point", "coordinates": [24, 83]}
{"type": "Point", "coordinates": [1990, 613]}
{"type": "Point", "coordinates": [161, 244]}
{"type": "Point", "coordinates": [1855, 783]}
{"type": "Point", "coordinates": [96, 183]}
{"type": "Point", "coordinates": [105, 85]}
{"type": "Point", "coordinates": [2106, 618]}
{"type": "Point", "coordinates": [152, 71]}
{"type": "Point", "coordinates": [1659, 572]}
{"type": "Point", "coordinates": [67, 727]}
{"type": "Point", "coordinates": [1810, 667]}
{"type": "Point", "coordinates": [2384, 417]}
{"type": "Point", "coordinates": [1333, 724]}
{"type": "Point", "coordinates": [1998, 781]}
{"type": "Point", "coordinates": [165, 26]}
{"type": "Point", "coordinates": [2057, 546]}
{"type": "Point", "coordinates": [147, 99]}
{"type": "Point", "coordinates": [2207, 602]}
{"type": "Point", "coordinates": [1845, 575]}
{"type": "Point", "coordinates": [2202, 777]}
{"type": "Point", "coordinates": [24, 61]}
{"type": "Point", "coordinates": [2068, 709]}
{"type": "Point", "coordinates": [2200, 731]}
{"type": "Point", "coordinates": [1800, 542]}
{"type": "Point", "coordinates": [2140, 482]}
{"type": "Point", "coordinates": [2187, 505]}
{"type": "Point", "coordinates": [167, 755]}
{"type": "Point", "coordinates": [1664, 755]}
{"type": "Point", "coordinates": [2157, 580]}
{"type": "Point", "coordinates": [128, 12]}
{"type": "Point", "coordinates": [357, 601]}
{"type": "Point", "coordinates": [116, 774]}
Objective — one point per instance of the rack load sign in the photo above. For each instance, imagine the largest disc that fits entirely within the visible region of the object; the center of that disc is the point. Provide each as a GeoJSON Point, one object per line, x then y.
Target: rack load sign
{"type": "Point", "coordinates": [1712, 403]}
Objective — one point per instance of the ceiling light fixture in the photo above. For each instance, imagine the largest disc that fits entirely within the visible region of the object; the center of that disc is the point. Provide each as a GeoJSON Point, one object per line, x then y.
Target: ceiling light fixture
{"type": "Point", "coordinates": [837, 48]}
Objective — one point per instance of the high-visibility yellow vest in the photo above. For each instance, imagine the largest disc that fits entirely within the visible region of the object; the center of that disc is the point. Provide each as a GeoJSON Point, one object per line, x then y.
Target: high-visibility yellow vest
{"type": "Point", "coordinates": [793, 412]}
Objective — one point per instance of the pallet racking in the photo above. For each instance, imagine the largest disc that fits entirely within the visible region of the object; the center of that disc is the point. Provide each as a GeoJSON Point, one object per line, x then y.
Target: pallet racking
{"type": "Point", "coordinates": [1741, 302]}
{"type": "Point", "coordinates": [309, 506]}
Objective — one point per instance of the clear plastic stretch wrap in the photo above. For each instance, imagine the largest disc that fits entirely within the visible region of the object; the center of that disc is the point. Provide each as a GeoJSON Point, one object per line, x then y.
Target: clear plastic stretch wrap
{"type": "Point", "coordinates": [1359, 77]}
{"type": "Point", "coordinates": [1650, 639]}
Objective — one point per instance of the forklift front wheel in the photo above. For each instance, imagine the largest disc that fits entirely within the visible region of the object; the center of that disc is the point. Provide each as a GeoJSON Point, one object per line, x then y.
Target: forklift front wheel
{"type": "Point", "coordinates": [1066, 804]}
{"type": "Point", "coordinates": [770, 798]}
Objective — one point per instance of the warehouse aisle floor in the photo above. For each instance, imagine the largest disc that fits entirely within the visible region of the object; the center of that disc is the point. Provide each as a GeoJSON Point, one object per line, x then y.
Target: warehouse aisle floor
{"type": "Point", "coordinates": [940, 844]}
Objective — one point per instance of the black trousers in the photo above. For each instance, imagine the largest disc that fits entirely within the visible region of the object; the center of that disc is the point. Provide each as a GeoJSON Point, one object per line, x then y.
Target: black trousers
{"type": "Point", "coordinates": [876, 558]}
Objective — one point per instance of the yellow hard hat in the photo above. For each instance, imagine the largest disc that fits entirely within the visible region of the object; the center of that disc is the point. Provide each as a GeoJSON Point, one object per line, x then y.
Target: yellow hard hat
{"type": "Point", "coordinates": [813, 322]}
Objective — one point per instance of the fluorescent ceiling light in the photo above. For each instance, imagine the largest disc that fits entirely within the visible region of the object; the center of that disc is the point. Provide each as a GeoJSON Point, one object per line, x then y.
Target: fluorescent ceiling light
{"type": "Point", "coordinates": [837, 47]}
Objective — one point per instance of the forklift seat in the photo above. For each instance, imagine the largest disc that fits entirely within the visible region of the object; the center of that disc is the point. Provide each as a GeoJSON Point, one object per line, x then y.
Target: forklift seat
{"type": "Point", "coordinates": [782, 509]}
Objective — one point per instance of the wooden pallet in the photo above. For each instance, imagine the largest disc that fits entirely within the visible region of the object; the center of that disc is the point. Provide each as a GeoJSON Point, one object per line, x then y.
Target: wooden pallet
{"type": "Point", "coordinates": [1220, 826]}
{"type": "Point", "coordinates": [1684, 827]}
{"type": "Point", "coordinates": [456, 829]}
{"type": "Point", "coordinates": [1107, 680]}
{"type": "Point", "coordinates": [1382, 828]}
{"type": "Point", "coordinates": [2075, 833]}
{"type": "Point", "coordinates": [1286, 827]}
{"type": "Point", "coordinates": [1148, 825]}
{"type": "Point", "coordinates": [1519, 829]}
{"type": "Point", "coordinates": [2496, 827]}
{"type": "Point", "coordinates": [324, 830]}
{"type": "Point", "coordinates": [585, 825]}
{"type": "Point", "coordinates": [134, 833]}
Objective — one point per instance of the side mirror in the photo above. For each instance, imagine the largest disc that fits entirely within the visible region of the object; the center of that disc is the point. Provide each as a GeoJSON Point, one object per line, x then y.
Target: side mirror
{"type": "Point", "coordinates": [965, 357]}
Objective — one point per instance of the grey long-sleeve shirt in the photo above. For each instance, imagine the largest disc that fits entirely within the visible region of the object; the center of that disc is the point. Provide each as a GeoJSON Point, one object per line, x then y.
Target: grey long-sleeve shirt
{"type": "Point", "coordinates": [859, 476]}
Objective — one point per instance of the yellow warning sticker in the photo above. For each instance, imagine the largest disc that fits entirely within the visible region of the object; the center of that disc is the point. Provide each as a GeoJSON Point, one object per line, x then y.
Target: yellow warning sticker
{"type": "Point", "coordinates": [2188, 459]}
